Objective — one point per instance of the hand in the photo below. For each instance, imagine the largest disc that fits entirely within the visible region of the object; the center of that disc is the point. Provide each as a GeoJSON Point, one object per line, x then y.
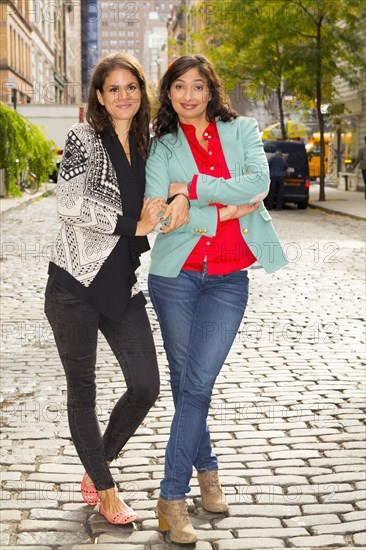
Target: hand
{"type": "Point", "coordinates": [181, 188]}
{"type": "Point", "coordinates": [245, 209]}
{"type": "Point", "coordinates": [178, 210]}
{"type": "Point", "coordinates": [149, 215]}
{"type": "Point", "coordinates": [230, 212]}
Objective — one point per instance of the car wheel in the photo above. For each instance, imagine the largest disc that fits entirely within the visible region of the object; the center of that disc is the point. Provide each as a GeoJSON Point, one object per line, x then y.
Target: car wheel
{"type": "Point", "coordinates": [302, 205]}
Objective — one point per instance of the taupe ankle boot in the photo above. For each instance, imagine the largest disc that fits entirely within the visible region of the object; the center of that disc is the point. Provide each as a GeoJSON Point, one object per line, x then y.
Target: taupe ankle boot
{"type": "Point", "coordinates": [173, 517]}
{"type": "Point", "coordinates": [212, 495]}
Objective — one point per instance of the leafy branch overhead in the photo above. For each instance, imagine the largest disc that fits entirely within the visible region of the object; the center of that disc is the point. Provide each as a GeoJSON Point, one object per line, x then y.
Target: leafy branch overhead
{"type": "Point", "coordinates": [286, 48]}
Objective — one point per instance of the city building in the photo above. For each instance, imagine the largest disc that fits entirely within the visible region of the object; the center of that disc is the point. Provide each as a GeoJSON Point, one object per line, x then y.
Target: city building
{"type": "Point", "coordinates": [72, 52]}
{"type": "Point", "coordinates": [350, 127]}
{"type": "Point", "coordinates": [120, 27]}
{"type": "Point", "coordinates": [155, 58]}
{"type": "Point", "coordinates": [40, 60]}
{"type": "Point", "coordinates": [42, 21]}
{"type": "Point", "coordinates": [156, 39]}
{"type": "Point", "coordinates": [16, 84]}
{"type": "Point", "coordinates": [138, 28]}
{"type": "Point", "coordinates": [186, 18]}
{"type": "Point", "coordinates": [92, 16]}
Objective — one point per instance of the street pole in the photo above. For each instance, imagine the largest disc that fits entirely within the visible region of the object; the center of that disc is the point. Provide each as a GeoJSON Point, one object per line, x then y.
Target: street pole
{"type": "Point", "coordinates": [14, 98]}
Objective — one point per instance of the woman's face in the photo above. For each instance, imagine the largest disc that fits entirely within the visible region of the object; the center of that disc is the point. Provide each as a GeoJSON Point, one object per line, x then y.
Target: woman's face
{"type": "Point", "coordinates": [190, 95]}
{"type": "Point", "coordinates": [121, 95]}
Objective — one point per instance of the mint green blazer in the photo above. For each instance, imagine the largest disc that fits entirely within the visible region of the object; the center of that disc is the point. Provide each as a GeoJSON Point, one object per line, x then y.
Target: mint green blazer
{"type": "Point", "coordinates": [171, 161]}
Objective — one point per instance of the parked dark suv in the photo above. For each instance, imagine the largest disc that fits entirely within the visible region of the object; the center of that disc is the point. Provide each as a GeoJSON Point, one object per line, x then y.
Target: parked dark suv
{"type": "Point", "coordinates": [297, 180]}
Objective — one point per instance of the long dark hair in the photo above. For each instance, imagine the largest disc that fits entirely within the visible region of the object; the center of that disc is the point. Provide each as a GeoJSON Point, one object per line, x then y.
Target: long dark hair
{"type": "Point", "coordinates": [96, 114]}
{"type": "Point", "coordinates": [166, 120]}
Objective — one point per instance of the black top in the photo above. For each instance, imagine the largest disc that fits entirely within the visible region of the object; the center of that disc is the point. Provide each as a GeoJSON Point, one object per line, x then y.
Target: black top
{"type": "Point", "coordinates": [110, 291]}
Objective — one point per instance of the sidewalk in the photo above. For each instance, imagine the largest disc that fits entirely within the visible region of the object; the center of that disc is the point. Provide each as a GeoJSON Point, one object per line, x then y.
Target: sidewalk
{"type": "Point", "coordinates": [10, 203]}
{"type": "Point", "coordinates": [350, 203]}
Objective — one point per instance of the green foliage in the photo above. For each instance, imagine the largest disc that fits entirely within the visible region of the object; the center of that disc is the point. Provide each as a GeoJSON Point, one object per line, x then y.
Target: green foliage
{"type": "Point", "coordinates": [251, 46]}
{"type": "Point", "coordinates": [285, 44]}
{"type": "Point", "coordinates": [286, 47]}
{"type": "Point", "coordinates": [20, 139]}
{"type": "Point", "coordinates": [331, 43]}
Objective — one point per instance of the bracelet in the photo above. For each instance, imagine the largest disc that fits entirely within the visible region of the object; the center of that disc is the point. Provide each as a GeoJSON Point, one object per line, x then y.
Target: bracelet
{"type": "Point", "coordinates": [188, 188]}
{"type": "Point", "coordinates": [177, 195]}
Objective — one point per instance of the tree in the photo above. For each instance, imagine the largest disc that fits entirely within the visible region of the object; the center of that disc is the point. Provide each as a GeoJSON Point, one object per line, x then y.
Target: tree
{"type": "Point", "coordinates": [249, 47]}
{"type": "Point", "coordinates": [332, 44]}
{"type": "Point", "coordinates": [23, 141]}
{"type": "Point", "coordinates": [287, 47]}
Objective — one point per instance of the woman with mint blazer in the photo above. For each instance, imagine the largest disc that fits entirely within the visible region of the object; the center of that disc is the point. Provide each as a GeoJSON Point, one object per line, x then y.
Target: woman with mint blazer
{"type": "Point", "coordinates": [170, 161]}
{"type": "Point", "coordinates": [198, 279]}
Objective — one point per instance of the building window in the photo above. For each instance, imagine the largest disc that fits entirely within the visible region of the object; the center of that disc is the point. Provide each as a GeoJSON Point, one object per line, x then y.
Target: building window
{"type": "Point", "coordinates": [15, 62]}
{"type": "Point", "coordinates": [20, 55]}
{"type": "Point", "coordinates": [11, 57]}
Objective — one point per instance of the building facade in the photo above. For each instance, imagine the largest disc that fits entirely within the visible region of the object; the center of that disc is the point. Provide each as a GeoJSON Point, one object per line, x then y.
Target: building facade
{"type": "Point", "coordinates": [186, 18]}
{"type": "Point", "coordinates": [139, 28]}
{"type": "Point", "coordinates": [155, 59]}
{"type": "Point", "coordinates": [72, 53]}
{"type": "Point", "coordinates": [91, 19]}
{"type": "Point", "coordinates": [42, 23]}
{"type": "Point", "coordinates": [58, 65]}
{"type": "Point", "coordinates": [15, 52]}
{"type": "Point", "coordinates": [350, 130]}
{"type": "Point", "coordinates": [120, 27]}
{"type": "Point", "coordinates": [40, 59]}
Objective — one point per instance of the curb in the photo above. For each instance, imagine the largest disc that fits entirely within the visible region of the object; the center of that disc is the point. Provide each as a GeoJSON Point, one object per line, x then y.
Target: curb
{"type": "Point", "coordinates": [26, 201]}
{"type": "Point", "coordinates": [336, 212]}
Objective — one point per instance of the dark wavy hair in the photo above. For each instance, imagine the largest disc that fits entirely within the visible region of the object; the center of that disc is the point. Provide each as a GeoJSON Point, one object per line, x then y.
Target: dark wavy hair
{"type": "Point", "coordinates": [97, 115]}
{"type": "Point", "coordinates": [166, 119]}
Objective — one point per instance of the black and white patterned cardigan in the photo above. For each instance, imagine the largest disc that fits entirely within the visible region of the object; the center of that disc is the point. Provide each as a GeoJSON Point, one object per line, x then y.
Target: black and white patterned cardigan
{"type": "Point", "coordinates": [88, 204]}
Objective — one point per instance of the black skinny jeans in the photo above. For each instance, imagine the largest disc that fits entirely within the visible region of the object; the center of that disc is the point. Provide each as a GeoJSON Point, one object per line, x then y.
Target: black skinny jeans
{"type": "Point", "coordinates": [75, 326]}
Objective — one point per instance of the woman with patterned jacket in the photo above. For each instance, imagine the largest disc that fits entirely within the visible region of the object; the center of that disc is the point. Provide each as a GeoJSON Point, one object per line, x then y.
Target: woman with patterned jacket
{"type": "Point", "coordinates": [92, 283]}
{"type": "Point", "coordinates": [198, 281]}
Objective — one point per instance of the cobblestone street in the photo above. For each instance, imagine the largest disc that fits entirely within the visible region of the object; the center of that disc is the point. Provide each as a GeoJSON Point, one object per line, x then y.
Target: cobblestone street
{"type": "Point", "coordinates": [287, 416]}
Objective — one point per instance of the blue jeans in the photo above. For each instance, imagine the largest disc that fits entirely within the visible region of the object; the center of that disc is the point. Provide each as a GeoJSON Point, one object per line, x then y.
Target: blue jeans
{"type": "Point", "coordinates": [199, 316]}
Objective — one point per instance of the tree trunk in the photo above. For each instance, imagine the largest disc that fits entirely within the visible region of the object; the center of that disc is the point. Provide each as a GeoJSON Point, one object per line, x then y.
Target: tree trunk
{"type": "Point", "coordinates": [322, 157]}
{"type": "Point", "coordinates": [282, 116]}
{"type": "Point", "coordinates": [319, 111]}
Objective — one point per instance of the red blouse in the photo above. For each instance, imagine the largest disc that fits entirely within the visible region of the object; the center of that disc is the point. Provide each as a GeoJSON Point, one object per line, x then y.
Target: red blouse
{"type": "Point", "coordinates": [227, 251]}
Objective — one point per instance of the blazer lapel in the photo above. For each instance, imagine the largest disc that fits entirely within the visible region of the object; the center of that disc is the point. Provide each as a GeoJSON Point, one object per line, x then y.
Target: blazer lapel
{"type": "Point", "coordinates": [182, 154]}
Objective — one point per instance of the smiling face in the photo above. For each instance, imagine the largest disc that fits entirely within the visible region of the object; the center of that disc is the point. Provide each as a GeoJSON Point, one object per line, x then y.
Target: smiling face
{"type": "Point", "coordinates": [190, 95]}
{"type": "Point", "coordinates": [121, 96]}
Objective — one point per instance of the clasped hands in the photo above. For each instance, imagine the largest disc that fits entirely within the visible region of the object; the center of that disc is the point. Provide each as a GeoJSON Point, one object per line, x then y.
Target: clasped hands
{"type": "Point", "coordinates": [176, 213]}
{"type": "Point", "coordinates": [156, 210]}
